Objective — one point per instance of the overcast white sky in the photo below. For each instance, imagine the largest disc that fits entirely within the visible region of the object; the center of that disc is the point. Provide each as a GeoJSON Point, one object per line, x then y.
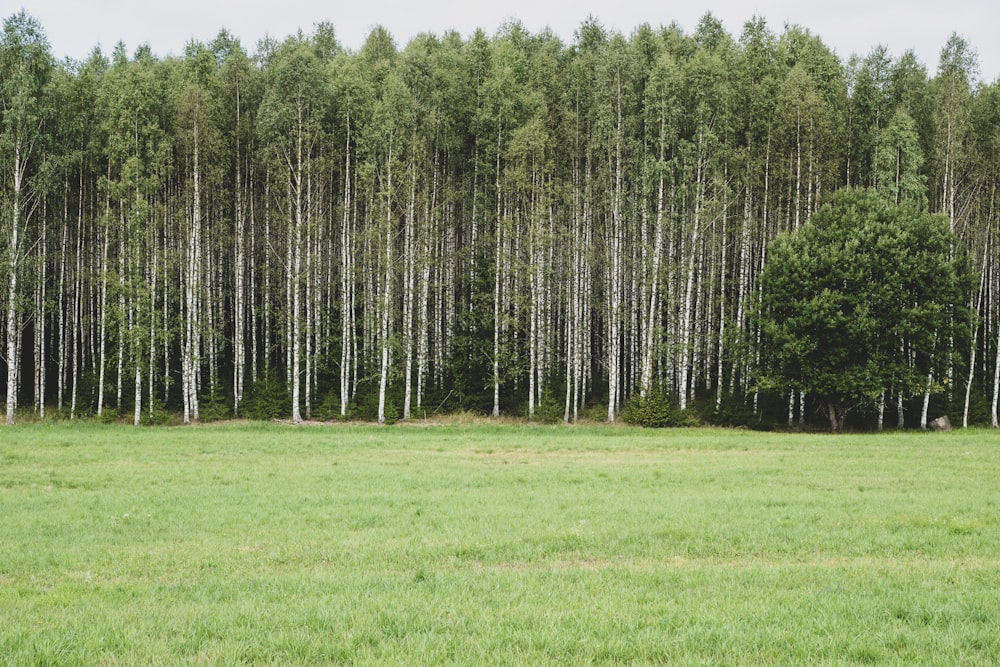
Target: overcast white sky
{"type": "Point", "coordinates": [75, 27]}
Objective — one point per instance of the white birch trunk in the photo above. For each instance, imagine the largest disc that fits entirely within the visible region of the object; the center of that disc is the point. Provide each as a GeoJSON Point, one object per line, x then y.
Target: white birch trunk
{"type": "Point", "coordinates": [688, 306]}
{"type": "Point", "coordinates": [137, 407]}
{"type": "Point", "coordinates": [996, 385]}
{"type": "Point", "coordinates": [927, 401]}
{"type": "Point", "coordinates": [409, 269]}
{"type": "Point", "coordinates": [496, 293]}
{"type": "Point", "coordinates": [649, 342]}
{"type": "Point", "coordinates": [189, 362]}
{"type": "Point", "coordinates": [239, 270]}
{"type": "Point", "coordinates": [722, 314]}
{"type": "Point", "coordinates": [122, 341]}
{"type": "Point", "coordinates": [77, 290]}
{"type": "Point", "coordinates": [423, 346]}
{"type": "Point", "coordinates": [40, 321]}
{"type": "Point", "coordinates": [254, 320]}
{"type": "Point", "coordinates": [154, 283]}
{"type": "Point", "coordinates": [295, 281]}
{"type": "Point", "coordinates": [103, 321]}
{"type": "Point", "coordinates": [346, 280]}
{"type": "Point", "coordinates": [387, 291]}
{"type": "Point", "coordinates": [61, 362]}
{"type": "Point", "coordinates": [13, 328]}
{"type": "Point", "coordinates": [881, 410]}
{"type": "Point", "coordinates": [615, 279]}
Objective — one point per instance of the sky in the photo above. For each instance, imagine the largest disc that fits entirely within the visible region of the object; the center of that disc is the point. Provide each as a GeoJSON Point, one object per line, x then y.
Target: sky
{"type": "Point", "coordinates": [75, 27]}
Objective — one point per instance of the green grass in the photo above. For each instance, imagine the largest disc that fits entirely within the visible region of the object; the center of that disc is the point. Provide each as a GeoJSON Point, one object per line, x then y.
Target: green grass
{"type": "Point", "coordinates": [478, 544]}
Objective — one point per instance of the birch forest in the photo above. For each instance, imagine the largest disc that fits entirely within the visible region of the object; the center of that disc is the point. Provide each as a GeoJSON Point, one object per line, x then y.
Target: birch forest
{"type": "Point", "coordinates": [503, 224]}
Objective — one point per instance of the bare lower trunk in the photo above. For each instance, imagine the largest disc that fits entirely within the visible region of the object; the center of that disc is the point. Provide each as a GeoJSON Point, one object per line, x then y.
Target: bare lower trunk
{"type": "Point", "coordinates": [837, 415]}
{"type": "Point", "coordinates": [927, 402]}
{"type": "Point", "coordinates": [12, 331]}
{"type": "Point", "coordinates": [104, 323]}
{"type": "Point", "coordinates": [881, 410]}
{"type": "Point", "coordinates": [137, 414]}
{"type": "Point", "coordinates": [13, 325]}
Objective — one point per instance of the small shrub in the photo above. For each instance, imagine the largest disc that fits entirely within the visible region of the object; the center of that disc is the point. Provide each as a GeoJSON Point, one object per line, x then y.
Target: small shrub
{"type": "Point", "coordinates": [594, 413]}
{"type": "Point", "coordinates": [157, 415]}
{"type": "Point", "coordinates": [215, 404]}
{"type": "Point", "coordinates": [364, 406]}
{"type": "Point", "coordinates": [732, 412]}
{"type": "Point", "coordinates": [213, 410]}
{"type": "Point", "coordinates": [655, 411]}
{"type": "Point", "coordinates": [392, 412]}
{"type": "Point", "coordinates": [329, 407]}
{"type": "Point", "coordinates": [267, 399]}
{"type": "Point", "coordinates": [109, 416]}
{"type": "Point", "coordinates": [549, 411]}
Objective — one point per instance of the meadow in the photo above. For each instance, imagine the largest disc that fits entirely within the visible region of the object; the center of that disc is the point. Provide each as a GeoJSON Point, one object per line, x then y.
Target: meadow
{"type": "Point", "coordinates": [253, 544]}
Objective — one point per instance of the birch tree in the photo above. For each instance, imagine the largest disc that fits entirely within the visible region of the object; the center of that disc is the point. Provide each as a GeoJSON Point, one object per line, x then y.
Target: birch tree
{"type": "Point", "coordinates": [289, 119]}
{"type": "Point", "coordinates": [25, 68]}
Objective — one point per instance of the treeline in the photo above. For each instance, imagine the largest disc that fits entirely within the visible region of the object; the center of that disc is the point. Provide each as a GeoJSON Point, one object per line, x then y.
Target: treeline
{"type": "Point", "coordinates": [505, 224]}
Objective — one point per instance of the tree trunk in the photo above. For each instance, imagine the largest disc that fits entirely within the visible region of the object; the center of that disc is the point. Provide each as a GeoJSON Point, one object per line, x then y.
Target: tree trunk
{"type": "Point", "coordinates": [346, 280]}
{"type": "Point", "coordinates": [387, 290]}
{"type": "Point", "coordinates": [103, 319]}
{"type": "Point", "coordinates": [688, 306]}
{"type": "Point", "coordinates": [838, 417]}
{"type": "Point", "coordinates": [615, 267]}
{"type": "Point", "coordinates": [296, 277]}
{"type": "Point", "coordinates": [496, 293]}
{"type": "Point", "coordinates": [239, 275]}
{"type": "Point", "coordinates": [14, 254]}
{"type": "Point", "coordinates": [409, 270]}
{"type": "Point", "coordinates": [649, 342]}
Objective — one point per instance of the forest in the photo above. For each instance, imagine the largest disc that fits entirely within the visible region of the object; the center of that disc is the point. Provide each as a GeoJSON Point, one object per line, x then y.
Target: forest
{"type": "Point", "coordinates": [506, 224]}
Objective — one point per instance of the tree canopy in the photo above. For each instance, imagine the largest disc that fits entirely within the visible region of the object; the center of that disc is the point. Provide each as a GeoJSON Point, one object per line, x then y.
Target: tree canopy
{"type": "Point", "coordinates": [862, 301]}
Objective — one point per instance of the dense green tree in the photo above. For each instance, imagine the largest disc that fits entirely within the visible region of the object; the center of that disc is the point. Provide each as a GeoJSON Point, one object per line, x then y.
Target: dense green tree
{"type": "Point", "coordinates": [856, 302]}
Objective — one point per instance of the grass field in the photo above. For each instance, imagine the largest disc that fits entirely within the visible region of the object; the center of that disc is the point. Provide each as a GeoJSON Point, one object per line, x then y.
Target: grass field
{"type": "Point", "coordinates": [480, 544]}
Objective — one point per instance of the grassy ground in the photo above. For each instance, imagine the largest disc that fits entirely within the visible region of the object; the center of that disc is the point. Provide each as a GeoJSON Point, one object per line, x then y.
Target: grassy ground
{"type": "Point", "coordinates": [263, 544]}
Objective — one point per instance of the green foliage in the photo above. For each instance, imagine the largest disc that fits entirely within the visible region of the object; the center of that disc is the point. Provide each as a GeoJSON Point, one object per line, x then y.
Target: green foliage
{"type": "Point", "coordinates": [214, 409]}
{"type": "Point", "coordinates": [266, 399]}
{"type": "Point", "coordinates": [364, 405]}
{"type": "Point", "coordinates": [898, 160]}
{"type": "Point", "coordinates": [156, 415]}
{"type": "Point", "coordinates": [859, 303]}
{"type": "Point", "coordinates": [392, 411]}
{"type": "Point", "coordinates": [733, 412]}
{"type": "Point", "coordinates": [328, 407]}
{"type": "Point", "coordinates": [215, 404]}
{"type": "Point", "coordinates": [594, 412]}
{"type": "Point", "coordinates": [654, 410]}
{"type": "Point", "coordinates": [550, 411]}
{"type": "Point", "coordinates": [979, 410]}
